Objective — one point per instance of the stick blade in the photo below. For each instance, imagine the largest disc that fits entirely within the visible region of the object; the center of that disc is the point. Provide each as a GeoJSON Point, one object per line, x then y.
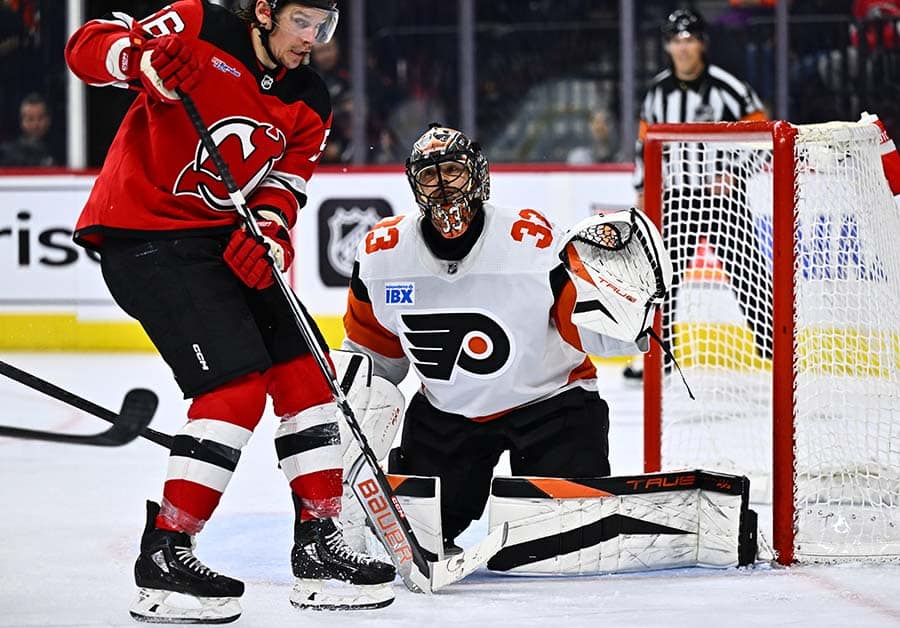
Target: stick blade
{"type": "Point", "coordinates": [455, 568]}
{"type": "Point", "coordinates": [138, 408]}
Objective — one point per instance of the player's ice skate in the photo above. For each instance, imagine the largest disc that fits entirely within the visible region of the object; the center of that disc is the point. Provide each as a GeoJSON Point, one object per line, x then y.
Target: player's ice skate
{"type": "Point", "coordinates": [174, 587]}
{"type": "Point", "coordinates": [331, 576]}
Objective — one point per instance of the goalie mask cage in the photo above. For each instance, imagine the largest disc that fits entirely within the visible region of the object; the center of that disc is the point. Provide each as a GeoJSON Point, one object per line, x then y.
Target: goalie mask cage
{"type": "Point", "coordinates": [785, 316]}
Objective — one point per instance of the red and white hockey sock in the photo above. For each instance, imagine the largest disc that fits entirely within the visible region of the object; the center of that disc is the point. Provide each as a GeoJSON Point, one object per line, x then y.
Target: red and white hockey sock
{"type": "Point", "coordinates": [890, 159]}
{"type": "Point", "coordinates": [309, 450]}
{"type": "Point", "coordinates": [308, 439]}
{"type": "Point", "coordinates": [205, 452]}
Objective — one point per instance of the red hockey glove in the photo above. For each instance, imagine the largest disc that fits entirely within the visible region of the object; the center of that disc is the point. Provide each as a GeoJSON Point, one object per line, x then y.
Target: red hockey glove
{"type": "Point", "coordinates": [251, 258]}
{"type": "Point", "coordinates": [163, 64]}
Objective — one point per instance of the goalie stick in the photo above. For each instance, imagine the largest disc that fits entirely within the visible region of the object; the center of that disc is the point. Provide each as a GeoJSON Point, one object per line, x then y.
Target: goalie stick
{"type": "Point", "coordinates": [137, 410]}
{"type": "Point", "coordinates": [368, 482]}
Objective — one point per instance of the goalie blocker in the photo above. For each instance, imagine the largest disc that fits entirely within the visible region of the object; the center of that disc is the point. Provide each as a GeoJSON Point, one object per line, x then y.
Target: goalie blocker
{"type": "Point", "coordinates": [623, 524]}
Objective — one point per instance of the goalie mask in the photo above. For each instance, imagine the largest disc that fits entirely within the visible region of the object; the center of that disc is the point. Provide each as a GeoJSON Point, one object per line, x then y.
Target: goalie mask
{"type": "Point", "coordinates": [449, 178]}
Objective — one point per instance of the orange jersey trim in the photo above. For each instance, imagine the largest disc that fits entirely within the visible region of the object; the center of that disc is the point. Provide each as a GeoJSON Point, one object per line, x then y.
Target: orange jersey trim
{"type": "Point", "coordinates": [585, 370]}
{"type": "Point", "coordinates": [562, 315]}
{"type": "Point", "coordinates": [363, 328]}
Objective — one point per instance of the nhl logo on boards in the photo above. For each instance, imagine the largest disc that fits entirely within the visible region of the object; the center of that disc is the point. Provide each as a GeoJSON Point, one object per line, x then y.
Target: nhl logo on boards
{"type": "Point", "coordinates": [342, 225]}
{"type": "Point", "coordinates": [267, 82]}
{"type": "Point", "coordinates": [399, 293]}
{"type": "Point", "coordinates": [346, 227]}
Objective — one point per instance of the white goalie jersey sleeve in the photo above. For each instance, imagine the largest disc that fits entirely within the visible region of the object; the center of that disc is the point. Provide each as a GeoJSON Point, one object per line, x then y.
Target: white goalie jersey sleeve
{"type": "Point", "coordinates": [486, 334]}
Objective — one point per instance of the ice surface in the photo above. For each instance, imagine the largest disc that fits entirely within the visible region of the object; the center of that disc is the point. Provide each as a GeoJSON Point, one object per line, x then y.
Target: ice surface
{"type": "Point", "coordinates": [71, 518]}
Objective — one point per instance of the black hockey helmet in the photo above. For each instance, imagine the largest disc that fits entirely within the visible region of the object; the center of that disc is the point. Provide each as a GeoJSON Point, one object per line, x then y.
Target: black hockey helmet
{"type": "Point", "coordinates": [449, 178]}
{"type": "Point", "coordinates": [319, 4]}
{"type": "Point", "coordinates": [684, 21]}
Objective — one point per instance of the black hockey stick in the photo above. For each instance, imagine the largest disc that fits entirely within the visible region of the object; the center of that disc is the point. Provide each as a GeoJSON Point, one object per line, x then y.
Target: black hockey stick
{"type": "Point", "coordinates": [138, 408]}
{"type": "Point", "coordinates": [389, 521]}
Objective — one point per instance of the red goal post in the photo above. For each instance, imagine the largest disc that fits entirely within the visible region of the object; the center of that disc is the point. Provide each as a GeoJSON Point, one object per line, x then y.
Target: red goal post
{"type": "Point", "coordinates": [783, 314]}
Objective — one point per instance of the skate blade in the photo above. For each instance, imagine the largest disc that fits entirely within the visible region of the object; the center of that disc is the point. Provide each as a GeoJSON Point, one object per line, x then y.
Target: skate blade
{"type": "Point", "coordinates": [153, 606]}
{"type": "Point", "coordinates": [319, 595]}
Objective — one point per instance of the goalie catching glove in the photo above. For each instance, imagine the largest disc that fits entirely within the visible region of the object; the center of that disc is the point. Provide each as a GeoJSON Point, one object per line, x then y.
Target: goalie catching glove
{"type": "Point", "coordinates": [620, 270]}
{"type": "Point", "coordinates": [251, 258]}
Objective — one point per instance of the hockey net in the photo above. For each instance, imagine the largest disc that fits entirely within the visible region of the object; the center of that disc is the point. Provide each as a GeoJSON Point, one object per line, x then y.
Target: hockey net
{"type": "Point", "coordinates": [785, 318]}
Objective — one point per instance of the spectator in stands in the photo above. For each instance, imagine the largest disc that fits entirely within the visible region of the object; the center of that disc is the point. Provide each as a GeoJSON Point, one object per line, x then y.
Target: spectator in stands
{"type": "Point", "coordinates": [30, 150]}
{"type": "Point", "coordinates": [881, 14]}
{"type": "Point", "coordinates": [694, 90]}
{"type": "Point", "coordinates": [604, 146]}
{"type": "Point", "coordinates": [12, 38]}
{"type": "Point", "coordinates": [326, 58]}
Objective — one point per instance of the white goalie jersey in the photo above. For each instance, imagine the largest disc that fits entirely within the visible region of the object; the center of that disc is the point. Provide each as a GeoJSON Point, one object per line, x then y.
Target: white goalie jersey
{"type": "Point", "coordinates": [484, 335]}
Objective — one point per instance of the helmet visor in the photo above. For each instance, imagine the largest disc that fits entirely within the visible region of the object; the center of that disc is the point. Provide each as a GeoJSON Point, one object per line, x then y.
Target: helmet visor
{"type": "Point", "coordinates": [300, 20]}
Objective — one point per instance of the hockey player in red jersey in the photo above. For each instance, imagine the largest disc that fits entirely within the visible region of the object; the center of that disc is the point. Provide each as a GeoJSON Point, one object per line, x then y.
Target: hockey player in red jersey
{"type": "Point", "coordinates": [475, 298]}
{"type": "Point", "coordinates": [175, 258]}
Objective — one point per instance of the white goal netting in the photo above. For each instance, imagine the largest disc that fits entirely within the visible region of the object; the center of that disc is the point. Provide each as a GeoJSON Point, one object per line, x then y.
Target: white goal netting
{"type": "Point", "coordinates": [717, 215]}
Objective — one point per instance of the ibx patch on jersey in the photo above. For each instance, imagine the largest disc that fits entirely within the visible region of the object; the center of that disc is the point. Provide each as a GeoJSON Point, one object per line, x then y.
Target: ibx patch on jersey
{"type": "Point", "coordinates": [400, 293]}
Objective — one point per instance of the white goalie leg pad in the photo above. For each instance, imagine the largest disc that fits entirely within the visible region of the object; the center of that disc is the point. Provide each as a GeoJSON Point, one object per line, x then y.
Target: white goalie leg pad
{"type": "Point", "coordinates": [353, 522]}
{"type": "Point", "coordinates": [620, 270]}
{"type": "Point", "coordinates": [623, 524]}
{"type": "Point", "coordinates": [353, 371]}
{"type": "Point", "coordinates": [332, 595]}
{"type": "Point", "coordinates": [378, 407]}
{"type": "Point", "coordinates": [167, 607]}
{"type": "Point", "coordinates": [420, 500]}
{"type": "Point", "coordinates": [379, 420]}
{"type": "Point", "coordinates": [376, 403]}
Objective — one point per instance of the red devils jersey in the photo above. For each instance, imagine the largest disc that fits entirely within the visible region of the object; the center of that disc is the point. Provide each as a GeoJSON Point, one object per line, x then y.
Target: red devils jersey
{"type": "Point", "coordinates": [157, 179]}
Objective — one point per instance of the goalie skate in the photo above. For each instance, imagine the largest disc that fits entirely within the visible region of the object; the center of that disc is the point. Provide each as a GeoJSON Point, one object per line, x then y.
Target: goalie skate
{"type": "Point", "coordinates": [174, 587]}
{"type": "Point", "coordinates": [331, 576]}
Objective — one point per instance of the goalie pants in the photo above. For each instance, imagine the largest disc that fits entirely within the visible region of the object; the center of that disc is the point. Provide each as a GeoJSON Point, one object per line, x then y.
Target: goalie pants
{"type": "Point", "coordinates": [208, 326]}
{"type": "Point", "coordinates": [564, 436]}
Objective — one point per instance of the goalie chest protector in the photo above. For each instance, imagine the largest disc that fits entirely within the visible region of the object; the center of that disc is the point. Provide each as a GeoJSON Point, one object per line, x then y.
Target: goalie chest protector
{"type": "Point", "coordinates": [477, 332]}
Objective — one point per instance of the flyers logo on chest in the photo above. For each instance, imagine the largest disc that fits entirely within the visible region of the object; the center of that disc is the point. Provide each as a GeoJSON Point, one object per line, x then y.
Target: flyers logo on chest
{"type": "Point", "coordinates": [443, 344]}
{"type": "Point", "coordinates": [250, 149]}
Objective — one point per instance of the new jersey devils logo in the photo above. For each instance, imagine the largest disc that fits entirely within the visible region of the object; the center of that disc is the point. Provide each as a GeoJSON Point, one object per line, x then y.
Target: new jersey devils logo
{"type": "Point", "coordinates": [471, 341]}
{"type": "Point", "coordinates": [250, 149]}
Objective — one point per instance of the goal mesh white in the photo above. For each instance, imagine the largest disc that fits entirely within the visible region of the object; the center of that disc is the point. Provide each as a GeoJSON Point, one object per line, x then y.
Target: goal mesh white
{"type": "Point", "coordinates": [827, 245]}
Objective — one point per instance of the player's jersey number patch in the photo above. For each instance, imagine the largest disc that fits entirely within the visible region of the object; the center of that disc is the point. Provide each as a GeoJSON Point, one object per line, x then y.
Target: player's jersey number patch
{"type": "Point", "coordinates": [384, 235]}
{"type": "Point", "coordinates": [533, 226]}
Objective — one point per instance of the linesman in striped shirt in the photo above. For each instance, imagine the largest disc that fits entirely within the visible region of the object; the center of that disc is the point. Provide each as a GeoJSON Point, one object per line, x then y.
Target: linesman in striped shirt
{"type": "Point", "coordinates": [693, 90]}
